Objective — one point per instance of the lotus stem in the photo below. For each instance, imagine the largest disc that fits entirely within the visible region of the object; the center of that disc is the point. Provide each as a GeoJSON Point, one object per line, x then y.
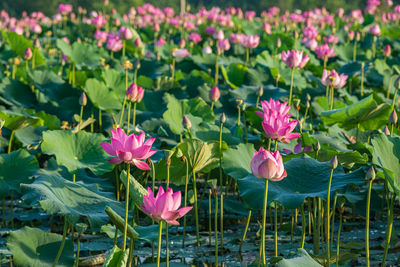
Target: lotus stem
{"type": "Point", "coordinates": [10, 141]}
{"type": "Point", "coordinates": [394, 97]}
{"type": "Point", "coordinates": [134, 115]}
{"type": "Point", "coordinates": [62, 243]}
{"type": "Point", "coordinates": [338, 240]}
{"type": "Point", "coordinates": [316, 227]}
{"type": "Point", "coordinates": [291, 87]}
{"type": "Point", "coordinates": [309, 213]}
{"type": "Point", "coordinates": [291, 226]}
{"type": "Point", "coordinates": [216, 229]}
{"type": "Point", "coordinates": [373, 46]}
{"type": "Point", "coordinates": [222, 221]}
{"type": "Point", "coordinates": [389, 86]}
{"type": "Point", "coordinates": [100, 121]}
{"type": "Point", "coordinates": [152, 188]}
{"type": "Point", "coordinates": [388, 230]}
{"type": "Point", "coordinates": [333, 218]}
{"type": "Point", "coordinates": [124, 102]}
{"type": "Point", "coordinates": [91, 125]}
{"type": "Point", "coordinates": [77, 251]}
{"type": "Point", "coordinates": [73, 75]}
{"type": "Point", "coordinates": [129, 117]}
{"type": "Point", "coordinates": [126, 205]}
{"type": "Point", "coordinates": [216, 70]}
{"type": "Point", "coordinates": [80, 118]}
{"type": "Point", "coordinates": [159, 244]}
{"type": "Point", "coordinates": [325, 61]}
{"type": "Point", "coordinates": [12, 208]}
{"type": "Point", "coordinates": [276, 230]}
{"type": "Point", "coordinates": [173, 69]}
{"type": "Point", "coordinates": [258, 100]}
{"type": "Point", "coordinates": [73, 177]}
{"type": "Point", "coordinates": [328, 222]}
{"type": "Point", "coordinates": [355, 50]}
{"type": "Point", "coordinates": [185, 201]}
{"type": "Point", "coordinates": [195, 207]}
{"type": "Point", "coordinates": [247, 55]}
{"type": "Point", "coordinates": [245, 231]}
{"type": "Point", "coordinates": [123, 48]}
{"type": "Point", "coordinates": [209, 217]}
{"type": "Point", "coordinates": [167, 246]}
{"type": "Point", "coordinates": [303, 225]}
{"type": "Point", "coordinates": [367, 222]}
{"type": "Point", "coordinates": [362, 79]}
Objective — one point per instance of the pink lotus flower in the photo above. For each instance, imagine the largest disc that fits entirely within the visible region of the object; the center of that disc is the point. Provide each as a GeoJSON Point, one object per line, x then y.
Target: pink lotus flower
{"type": "Point", "coordinates": [236, 38]}
{"type": "Point", "coordinates": [278, 127]}
{"type": "Point", "coordinates": [267, 28]}
{"type": "Point", "coordinates": [64, 9]}
{"type": "Point", "coordinates": [206, 50]}
{"type": "Point", "coordinates": [332, 79]}
{"type": "Point", "coordinates": [125, 33]}
{"type": "Point", "coordinates": [135, 93]}
{"type": "Point", "coordinates": [130, 149]}
{"type": "Point", "coordinates": [274, 108]}
{"type": "Point", "coordinates": [324, 51]}
{"type": "Point", "coordinates": [295, 59]}
{"type": "Point", "coordinates": [195, 37]}
{"type": "Point", "coordinates": [297, 149]}
{"type": "Point", "coordinates": [160, 42]}
{"type": "Point", "coordinates": [214, 94]}
{"type": "Point", "coordinates": [223, 45]}
{"type": "Point", "coordinates": [267, 165]}
{"type": "Point", "coordinates": [219, 35]}
{"type": "Point", "coordinates": [210, 30]}
{"type": "Point", "coordinates": [331, 39]}
{"type": "Point", "coordinates": [180, 53]}
{"type": "Point", "coordinates": [312, 44]}
{"type": "Point", "coordinates": [28, 53]}
{"type": "Point", "coordinates": [98, 21]}
{"type": "Point", "coordinates": [375, 30]}
{"type": "Point", "coordinates": [114, 43]}
{"type": "Point", "coordinates": [250, 41]}
{"type": "Point", "coordinates": [165, 206]}
{"type": "Point", "coordinates": [100, 36]}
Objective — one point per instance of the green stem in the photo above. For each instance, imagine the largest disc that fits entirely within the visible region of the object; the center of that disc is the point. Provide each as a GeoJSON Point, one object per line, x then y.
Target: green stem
{"type": "Point", "coordinates": [167, 245]}
{"type": "Point", "coordinates": [91, 125]}
{"type": "Point", "coordinates": [257, 101]}
{"type": "Point", "coordinates": [77, 251]}
{"type": "Point", "coordinates": [10, 141]}
{"type": "Point", "coordinates": [355, 50]}
{"type": "Point", "coordinates": [173, 70]}
{"type": "Point", "coordinates": [262, 245]}
{"type": "Point", "coordinates": [291, 87]}
{"type": "Point", "coordinates": [134, 115]}
{"type": "Point", "coordinates": [362, 79]}
{"type": "Point", "coordinates": [159, 244]}
{"type": "Point", "coordinates": [315, 227]}
{"type": "Point", "coordinates": [132, 241]}
{"type": "Point", "coordinates": [222, 221]}
{"type": "Point", "coordinates": [216, 70]}
{"type": "Point", "coordinates": [394, 98]}
{"type": "Point", "coordinates": [247, 55]}
{"type": "Point", "coordinates": [12, 208]}
{"type": "Point", "coordinates": [328, 222]}
{"type": "Point", "coordinates": [276, 230]}
{"type": "Point", "coordinates": [209, 217]}
{"type": "Point", "coordinates": [80, 119]}
{"type": "Point", "coordinates": [126, 205]}
{"type": "Point", "coordinates": [389, 87]}
{"type": "Point", "coordinates": [100, 121]}
{"type": "Point", "coordinates": [373, 47]}
{"type": "Point", "coordinates": [129, 117]}
{"type": "Point", "coordinates": [333, 218]}
{"type": "Point", "coordinates": [245, 231]}
{"type": "Point", "coordinates": [367, 223]}
{"type": "Point", "coordinates": [338, 240]}
{"type": "Point", "coordinates": [388, 230]}
{"type": "Point", "coordinates": [185, 202]}
{"type": "Point", "coordinates": [303, 225]}
{"type": "Point", "coordinates": [212, 106]}
{"type": "Point", "coordinates": [62, 243]}
{"type": "Point", "coordinates": [216, 229]}
{"type": "Point", "coordinates": [123, 48]}
{"type": "Point", "coordinates": [195, 207]}
{"type": "Point", "coordinates": [73, 177]}
{"type": "Point", "coordinates": [220, 155]}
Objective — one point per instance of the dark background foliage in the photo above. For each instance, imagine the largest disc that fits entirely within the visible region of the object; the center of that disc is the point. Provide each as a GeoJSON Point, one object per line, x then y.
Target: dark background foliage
{"type": "Point", "coordinates": [49, 7]}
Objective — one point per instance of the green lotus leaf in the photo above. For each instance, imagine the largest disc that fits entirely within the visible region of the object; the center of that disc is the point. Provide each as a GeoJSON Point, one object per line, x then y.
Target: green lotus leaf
{"type": "Point", "coordinates": [16, 121]}
{"type": "Point", "coordinates": [302, 259]}
{"type": "Point", "coordinates": [368, 113]}
{"type": "Point", "coordinates": [387, 155]}
{"type": "Point", "coordinates": [15, 93]}
{"type": "Point", "coordinates": [101, 96]}
{"type": "Point", "coordinates": [74, 200]}
{"type": "Point", "coordinates": [16, 168]}
{"type": "Point", "coordinates": [32, 247]}
{"type": "Point", "coordinates": [77, 151]}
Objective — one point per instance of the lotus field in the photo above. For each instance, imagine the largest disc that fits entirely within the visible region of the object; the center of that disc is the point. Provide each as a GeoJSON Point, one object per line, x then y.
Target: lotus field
{"type": "Point", "coordinates": [166, 137]}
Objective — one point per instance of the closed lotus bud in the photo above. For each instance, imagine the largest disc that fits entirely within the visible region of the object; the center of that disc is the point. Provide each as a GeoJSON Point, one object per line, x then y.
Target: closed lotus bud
{"type": "Point", "coordinates": [387, 51]}
{"type": "Point", "coordinates": [393, 117]}
{"type": "Point", "coordinates": [358, 36]}
{"type": "Point", "coordinates": [297, 104]}
{"type": "Point", "coordinates": [187, 124]}
{"type": "Point", "coordinates": [334, 162]}
{"type": "Point", "coordinates": [260, 91]}
{"type": "Point", "coordinates": [308, 97]}
{"type": "Point", "coordinates": [386, 130]}
{"type": "Point", "coordinates": [341, 209]}
{"type": "Point", "coordinates": [222, 119]}
{"type": "Point", "coordinates": [28, 53]}
{"type": "Point", "coordinates": [317, 146]}
{"type": "Point", "coordinates": [127, 65]}
{"type": "Point", "coordinates": [278, 43]}
{"type": "Point", "coordinates": [182, 43]}
{"type": "Point", "coordinates": [214, 94]}
{"type": "Point", "coordinates": [83, 99]}
{"type": "Point", "coordinates": [308, 104]}
{"type": "Point", "coordinates": [370, 174]}
{"type": "Point", "coordinates": [137, 64]}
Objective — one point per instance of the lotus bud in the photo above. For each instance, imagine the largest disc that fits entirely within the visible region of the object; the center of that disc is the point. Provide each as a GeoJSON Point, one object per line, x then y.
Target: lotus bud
{"type": "Point", "coordinates": [37, 44]}
{"type": "Point", "coordinates": [317, 146]}
{"type": "Point", "coordinates": [358, 36]}
{"type": "Point", "coordinates": [137, 64]}
{"type": "Point", "coordinates": [334, 162]}
{"type": "Point", "coordinates": [370, 174]}
{"type": "Point", "coordinates": [278, 43]}
{"type": "Point", "coordinates": [308, 104]}
{"type": "Point", "coordinates": [137, 42]}
{"type": "Point", "coordinates": [308, 97]}
{"type": "Point", "coordinates": [386, 130]}
{"type": "Point", "coordinates": [187, 124]}
{"type": "Point", "coordinates": [341, 209]}
{"type": "Point", "coordinates": [182, 43]}
{"type": "Point", "coordinates": [214, 94]}
{"type": "Point", "coordinates": [183, 158]}
{"type": "Point", "coordinates": [83, 99]}
{"type": "Point", "coordinates": [387, 51]}
{"type": "Point", "coordinates": [393, 117]}
{"type": "Point", "coordinates": [28, 53]}
{"type": "Point", "coordinates": [297, 104]}
{"type": "Point", "coordinates": [222, 119]}
{"type": "Point", "coordinates": [127, 65]}
{"type": "Point", "coordinates": [260, 91]}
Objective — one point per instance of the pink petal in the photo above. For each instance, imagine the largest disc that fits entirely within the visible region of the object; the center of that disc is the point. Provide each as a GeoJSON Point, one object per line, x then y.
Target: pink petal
{"type": "Point", "coordinates": [115, 161]}
{"type": "Point", "coordinates": [108, 148]}
{"type": "Point", "coordinates": [182, 211]}
{"type": "Point", "coordinates": [141, 165]}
